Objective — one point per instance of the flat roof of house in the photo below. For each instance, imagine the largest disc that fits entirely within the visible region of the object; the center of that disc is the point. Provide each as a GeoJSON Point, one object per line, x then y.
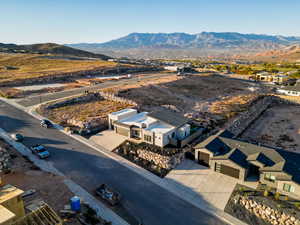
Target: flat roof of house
{"type": "Point", "coordinates": [8, 191]}
{"type": "Point", "coordinates": [123, 111]}
{"type": "Point", "coordinates": [160, 127]}
{"type": "Point", "coordinates": [138, 119]}
{"type": "Point", "coordinates": [169, 117]}
{"type": "Point", "coordinates": [5, 214]}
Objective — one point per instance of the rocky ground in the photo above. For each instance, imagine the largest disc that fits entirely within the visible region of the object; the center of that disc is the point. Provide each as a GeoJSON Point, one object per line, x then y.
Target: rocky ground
{"type": "Point", "coordinates": [279, 126]}
{"type": "Point", "coordinates": [254, 208]}
{"type": "Point", "coordinates": [194, 95]}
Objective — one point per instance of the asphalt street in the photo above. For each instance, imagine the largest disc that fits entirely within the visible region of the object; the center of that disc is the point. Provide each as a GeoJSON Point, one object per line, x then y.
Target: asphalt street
{"type": "Point", "coordinates": [37, 99]}
{"type": "Point", "coordinates": [89, 168]}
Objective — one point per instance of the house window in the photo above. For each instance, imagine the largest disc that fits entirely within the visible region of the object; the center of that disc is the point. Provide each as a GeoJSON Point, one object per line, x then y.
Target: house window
{"type": "Point", "coordinates": [147, 138]}
{"type": "Point", "coordinates": [270, 177]}
{"type": "Point", "coordinates": [288, 188]}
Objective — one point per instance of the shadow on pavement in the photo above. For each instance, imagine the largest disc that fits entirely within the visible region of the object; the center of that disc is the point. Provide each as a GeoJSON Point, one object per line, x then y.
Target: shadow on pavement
{"type": "Point", "coordinates": [142, 200]}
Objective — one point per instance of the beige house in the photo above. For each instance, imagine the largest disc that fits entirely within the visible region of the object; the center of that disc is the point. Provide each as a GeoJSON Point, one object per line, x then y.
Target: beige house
{"type": "Point", "coordinates": [245, 161]}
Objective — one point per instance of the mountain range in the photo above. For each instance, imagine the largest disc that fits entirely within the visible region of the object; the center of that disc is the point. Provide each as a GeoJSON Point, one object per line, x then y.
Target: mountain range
{"type": "Point", "coordinates": [289, 53]}
{"type": "Point", "coordinates": [49, 48]}
{"type": "Point", "coordinates": [188, 45]}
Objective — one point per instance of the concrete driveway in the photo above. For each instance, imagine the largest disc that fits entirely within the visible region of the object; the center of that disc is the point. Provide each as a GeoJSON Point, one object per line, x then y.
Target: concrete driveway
{"type": "Point", "coordinates": [108, 139]}
{"type": "Point", "coordinates": [213, 188]}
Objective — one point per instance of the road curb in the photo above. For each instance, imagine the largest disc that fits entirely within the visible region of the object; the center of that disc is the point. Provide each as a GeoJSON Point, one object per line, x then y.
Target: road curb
{"type": "Point", "coordinates": [192, 198]}
{"type": "Point", "coordinates": [46, 166]}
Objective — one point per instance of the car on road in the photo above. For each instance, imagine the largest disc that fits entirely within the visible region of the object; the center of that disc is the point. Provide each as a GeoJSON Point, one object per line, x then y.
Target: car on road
{"type": "Point", "coordinates": [107, 194]}
{"type": "Point", "coordinates": [17, 137]}
{"type": "Point", "coordinates": [40, 151]}
{"type": "Point", "coordinates": [46, 123]}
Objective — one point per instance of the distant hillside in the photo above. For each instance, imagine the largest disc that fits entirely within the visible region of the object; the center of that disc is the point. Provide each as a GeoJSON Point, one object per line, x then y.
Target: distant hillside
{"type": "Point", "coordinates": [188, 45]}
{"type": "Point", "coordinates": [49, 48]}
{"type": "Point", "coordinates": [289, 53]}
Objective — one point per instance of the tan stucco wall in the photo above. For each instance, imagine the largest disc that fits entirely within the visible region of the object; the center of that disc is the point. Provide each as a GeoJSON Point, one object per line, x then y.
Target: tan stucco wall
{"type": "Point", "coordinates": [16, 206]}
{"type": "Point", "coordinates": [295, 194]}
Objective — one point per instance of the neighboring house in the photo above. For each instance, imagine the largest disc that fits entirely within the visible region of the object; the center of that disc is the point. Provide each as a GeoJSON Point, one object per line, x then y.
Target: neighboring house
{"type": "Point", "coordinates": [11, 204]}
{"type": "Point", "coordinates": [157, 128]}
{"type": "Point", "coordinates": [276, 79]}
{"type": "Point", "coordinates": [290, 90]}
{"type": "Point", "coordinates": [245, 161]}
{"type": "Point", "coordinates": [12, 210]}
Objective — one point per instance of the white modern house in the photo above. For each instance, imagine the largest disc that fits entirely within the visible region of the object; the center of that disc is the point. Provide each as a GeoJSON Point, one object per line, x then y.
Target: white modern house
{"type": "Point", "coordinates": [290, 90]}
{"type": "Point", "coordinates": [158, 128]}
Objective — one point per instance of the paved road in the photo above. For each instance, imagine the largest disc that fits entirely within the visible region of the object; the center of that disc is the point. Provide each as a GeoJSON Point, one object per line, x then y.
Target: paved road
{"type": "Point", "coordinates": [37, 99]}
{"type": "Point", "coordinates": [89, 168]}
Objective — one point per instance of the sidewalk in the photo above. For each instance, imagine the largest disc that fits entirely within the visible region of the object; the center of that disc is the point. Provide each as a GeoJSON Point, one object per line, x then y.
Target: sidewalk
{"type": "Point", "coordinates": [98, 206]}
{"type": "Point", "coordinates": [178, 190]}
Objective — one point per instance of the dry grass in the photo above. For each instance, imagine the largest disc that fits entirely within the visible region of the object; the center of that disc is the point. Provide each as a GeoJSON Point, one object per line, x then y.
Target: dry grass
{"type": "Point", "coordinates": [84, 111]}
{"type": "Point", "coordinates": [31, 66]}
{"type": "Point", "coordinates": [230, 106]}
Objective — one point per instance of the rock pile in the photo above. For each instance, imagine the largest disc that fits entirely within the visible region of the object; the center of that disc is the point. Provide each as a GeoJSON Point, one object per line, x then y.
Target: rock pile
{"type": "Point", "coordinates": [272, 216]}
{"type": "Point", "coordinates": [166, 162]}
{"type": "Point", "coordinates": [5, 162]}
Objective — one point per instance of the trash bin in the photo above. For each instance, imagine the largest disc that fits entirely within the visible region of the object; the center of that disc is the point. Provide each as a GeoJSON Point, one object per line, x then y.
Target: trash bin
{"type": "Point", "coordinates": [75, 203]}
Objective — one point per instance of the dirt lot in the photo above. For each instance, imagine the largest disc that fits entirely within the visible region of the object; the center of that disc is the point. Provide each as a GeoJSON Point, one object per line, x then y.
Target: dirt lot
{"type": "Point", "coordinates": [24, 175]}
{"type": "Point", "coordinates": [83, 111]}
{"type": "Point", "coordinates": [192, 94]}
{"type": "Point", "coordinates": [279, 127]}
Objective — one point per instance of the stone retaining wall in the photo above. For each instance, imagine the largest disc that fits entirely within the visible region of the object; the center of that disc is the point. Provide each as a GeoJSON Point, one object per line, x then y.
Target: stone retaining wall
{"type": "Point", "coordinates": [268, 214]}
{"type": "Point", "coordinates": [113, 97]}
{"type": "Point", "coordinates": [247, 117]}
{"type": "Point", "coordinates": [166, 162]}
{"type": "Point", "coordinates": [71, 101]}
{"type": "Point", "coordinates": [5, 162]}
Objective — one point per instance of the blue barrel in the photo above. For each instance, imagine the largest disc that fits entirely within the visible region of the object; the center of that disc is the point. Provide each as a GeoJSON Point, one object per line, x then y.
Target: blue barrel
{"type": "Point", "coordinates": [75, 203]}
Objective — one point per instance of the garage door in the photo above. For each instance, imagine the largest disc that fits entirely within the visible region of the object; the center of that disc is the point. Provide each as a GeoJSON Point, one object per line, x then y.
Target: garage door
{"type": "Point", "coordinates": [203, 159]}
{"type": "Point", "coordinates": [122, 131]}
{"type": "Point", "coordinates": [227, 170]}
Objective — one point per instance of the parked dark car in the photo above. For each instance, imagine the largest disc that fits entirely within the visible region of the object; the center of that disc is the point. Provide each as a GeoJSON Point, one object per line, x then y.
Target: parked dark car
{"type": "Point", "coordinates": [17, 137]}
{"type": "Point", "coordinates": [46, 124]}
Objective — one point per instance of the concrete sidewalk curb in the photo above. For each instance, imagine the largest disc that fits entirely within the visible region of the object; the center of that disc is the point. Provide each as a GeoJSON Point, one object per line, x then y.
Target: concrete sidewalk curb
{"type": "Point", "coordinates": [191, 197]}
{"type": "Point", "coordinates": [95, 204]}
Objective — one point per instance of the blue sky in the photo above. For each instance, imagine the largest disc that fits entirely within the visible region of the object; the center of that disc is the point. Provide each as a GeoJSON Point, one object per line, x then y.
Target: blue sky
{"type": "Point", "coordinates": [73, 21]}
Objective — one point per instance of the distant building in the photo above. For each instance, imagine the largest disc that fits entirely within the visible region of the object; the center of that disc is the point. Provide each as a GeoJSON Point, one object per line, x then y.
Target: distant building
{"type": "Point", "coordinates": [157, 128]}
{"type": "Point", "coordinates": [290, 90]}
{"type": "Point", "coordinates": [267, 77]}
